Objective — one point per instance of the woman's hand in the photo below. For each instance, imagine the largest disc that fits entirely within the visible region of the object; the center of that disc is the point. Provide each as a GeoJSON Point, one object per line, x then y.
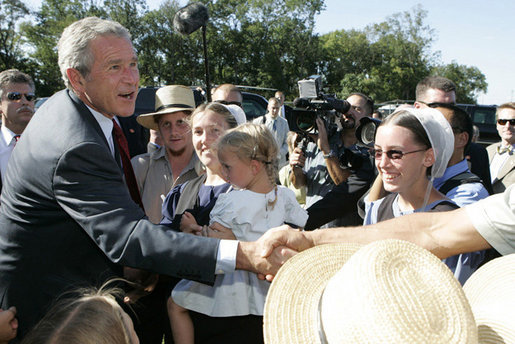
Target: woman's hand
{"type": "Point", "coordinates": [216, 230]}
{"type": "Point", "coordinates": [189, 224]}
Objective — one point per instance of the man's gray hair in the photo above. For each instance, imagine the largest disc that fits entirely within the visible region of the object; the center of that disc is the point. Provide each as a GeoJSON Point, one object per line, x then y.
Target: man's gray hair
{"type": "Point", "coordinates": [73, 47]}
{"type": "Point", "coordinates": [14, 76]}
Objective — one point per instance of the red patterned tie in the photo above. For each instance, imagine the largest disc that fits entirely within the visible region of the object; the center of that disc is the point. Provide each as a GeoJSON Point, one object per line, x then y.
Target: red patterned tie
{"type": "Point", "coordinates": [130, 178]}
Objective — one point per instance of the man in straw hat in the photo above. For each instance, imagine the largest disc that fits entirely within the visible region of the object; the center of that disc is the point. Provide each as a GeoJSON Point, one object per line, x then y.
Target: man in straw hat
{"type": "Point", "coordinates": [173, 163]}
{"type": "Point", "coordinates": [157, 172]}
{"type": "Point", "coordinates": [67, 217]}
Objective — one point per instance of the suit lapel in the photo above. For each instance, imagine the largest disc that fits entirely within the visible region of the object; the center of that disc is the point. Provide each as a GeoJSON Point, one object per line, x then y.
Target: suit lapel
{"type": "Point", "coordinates": [491, 150]}
{"type": "Point", "coordinates": [87, 116]}
{"type": "Point", "coordinates": [90, 120]}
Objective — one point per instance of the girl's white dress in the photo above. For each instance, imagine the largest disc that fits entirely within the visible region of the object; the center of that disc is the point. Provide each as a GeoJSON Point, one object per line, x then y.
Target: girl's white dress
{"type": "Point", "coordinates": [249, 216]}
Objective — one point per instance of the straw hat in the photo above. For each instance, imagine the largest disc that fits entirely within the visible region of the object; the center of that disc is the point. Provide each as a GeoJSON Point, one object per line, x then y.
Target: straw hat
{"type": "Point", "coordinates": [169, 99]}
{"type": "Point", "coordinates": [491, 293]}
{"type": "Point", "coordinates": [389, 291]}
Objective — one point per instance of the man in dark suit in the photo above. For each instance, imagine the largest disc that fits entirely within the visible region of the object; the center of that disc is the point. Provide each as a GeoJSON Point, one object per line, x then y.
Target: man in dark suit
{"type": "Point", "coordinates": [67, 219]}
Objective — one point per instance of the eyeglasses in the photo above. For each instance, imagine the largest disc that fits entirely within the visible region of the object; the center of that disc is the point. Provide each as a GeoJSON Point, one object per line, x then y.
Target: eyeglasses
{"type": "Point", "coordinates": [16, 96]}
{"type": "Point", "coordinates": [392, 154]}
{"type": "Point", "coordinates": [504, 121]}
{"type": "Point", "coordinates": [224, 102]}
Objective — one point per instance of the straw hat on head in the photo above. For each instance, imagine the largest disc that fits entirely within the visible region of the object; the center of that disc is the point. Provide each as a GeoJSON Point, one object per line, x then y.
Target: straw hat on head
{"type": "Point", "coordinates": [389, 291]}
{"type": "Point", "coordinates": [169, 99]}
{"type": "Point", "coordinates": [491, 294]}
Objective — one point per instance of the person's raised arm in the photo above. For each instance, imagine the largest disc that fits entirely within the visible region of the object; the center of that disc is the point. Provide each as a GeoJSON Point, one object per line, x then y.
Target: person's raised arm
{"type": "Point", "coordinates": [297, 175]}
{"type": "Point", "coordinates": [377, 190]}
{"type": "Point", "coordinates": [337, 173]}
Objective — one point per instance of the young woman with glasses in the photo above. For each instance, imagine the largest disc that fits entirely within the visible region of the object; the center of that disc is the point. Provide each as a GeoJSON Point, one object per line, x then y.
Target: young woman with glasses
{"type": "Point", "coordinates": [412, 147]}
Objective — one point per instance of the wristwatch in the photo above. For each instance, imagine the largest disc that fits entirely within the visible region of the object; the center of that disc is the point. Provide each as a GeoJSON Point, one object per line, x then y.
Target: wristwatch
{"type": "Point", "coordinates": [332, 153]}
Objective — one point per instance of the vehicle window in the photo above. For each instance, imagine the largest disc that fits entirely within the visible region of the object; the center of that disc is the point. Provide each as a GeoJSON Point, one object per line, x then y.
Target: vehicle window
{"type": "Point", "coordinates": [253, 109]}
{"type": "Point", "coordinates": [484, 116]}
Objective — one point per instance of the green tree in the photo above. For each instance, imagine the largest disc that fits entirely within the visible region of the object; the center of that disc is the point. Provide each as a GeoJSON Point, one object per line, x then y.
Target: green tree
{"type": "Point", "coordinates": [43, 34]}
{"type": "Point", "coordinates": [263, 42]}
{"type": "Point", "coordinates": [399, 57]}
{"type": "Point", "coordinates": [469, 80]}
{"type": "Point", "coordinates": [11, 41]}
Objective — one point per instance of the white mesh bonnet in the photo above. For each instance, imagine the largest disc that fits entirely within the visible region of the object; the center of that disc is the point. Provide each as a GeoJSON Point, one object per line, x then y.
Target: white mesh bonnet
{"type": "Point", "coordinates": [440, 135]}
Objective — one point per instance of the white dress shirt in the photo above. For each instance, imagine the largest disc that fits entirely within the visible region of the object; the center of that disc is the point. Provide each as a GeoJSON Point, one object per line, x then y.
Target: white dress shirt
{"type": "Point", "coordinates": [7, 142]}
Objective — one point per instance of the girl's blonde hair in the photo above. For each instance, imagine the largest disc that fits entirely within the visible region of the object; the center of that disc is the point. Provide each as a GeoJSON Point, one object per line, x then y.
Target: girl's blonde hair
{"type": "Point", "coordinates": [94, 317]}
{"type": "Point", "coordinates": [253, 142]}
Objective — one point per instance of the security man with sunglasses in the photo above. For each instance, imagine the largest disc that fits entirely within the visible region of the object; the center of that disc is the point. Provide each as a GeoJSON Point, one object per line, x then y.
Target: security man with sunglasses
{"type": "Point", "coordinates": [501, 154]}
{"type": "Point", "coordinates": [16, 107]}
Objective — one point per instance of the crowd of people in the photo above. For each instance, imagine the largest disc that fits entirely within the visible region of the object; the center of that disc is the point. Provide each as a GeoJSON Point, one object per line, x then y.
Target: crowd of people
{"type": "Point", "coordinates": [193, 222]}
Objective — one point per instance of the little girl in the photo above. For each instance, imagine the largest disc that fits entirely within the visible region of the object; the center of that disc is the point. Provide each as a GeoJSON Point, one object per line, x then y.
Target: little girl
{"type": "Point", "coordinates": [248, 156]}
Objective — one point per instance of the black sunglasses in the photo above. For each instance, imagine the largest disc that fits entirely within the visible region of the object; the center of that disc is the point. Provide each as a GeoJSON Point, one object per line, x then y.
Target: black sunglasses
{"type": "Point", "coordinates": [504, 121]}
{"type": "Point", "coordinates": [224, 102]}
{"type": "Point", "coordinates": [392, 154]}
{"type": "Point", "coordinates": [15, 96]}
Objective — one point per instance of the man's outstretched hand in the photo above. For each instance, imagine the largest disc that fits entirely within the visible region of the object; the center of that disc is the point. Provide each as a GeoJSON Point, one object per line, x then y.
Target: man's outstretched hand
{"type": "Point", "coordinates": [266, 255]}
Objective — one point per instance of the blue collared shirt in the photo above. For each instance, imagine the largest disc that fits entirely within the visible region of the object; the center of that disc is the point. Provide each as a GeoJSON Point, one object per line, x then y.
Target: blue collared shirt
{"type": "Point", "coordinates": [465, 193]}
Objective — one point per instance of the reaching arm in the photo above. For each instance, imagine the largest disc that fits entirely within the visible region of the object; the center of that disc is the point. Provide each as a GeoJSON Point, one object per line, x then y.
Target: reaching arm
{"type": "Point", "coordinates": [337, 173]}
{"type": "Point", "coordinates": [444, 234]}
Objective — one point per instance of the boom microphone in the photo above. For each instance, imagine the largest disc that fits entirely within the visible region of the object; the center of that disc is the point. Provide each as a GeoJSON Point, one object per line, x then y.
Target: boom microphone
{"type": "Point", "coordinates": [190, 18]}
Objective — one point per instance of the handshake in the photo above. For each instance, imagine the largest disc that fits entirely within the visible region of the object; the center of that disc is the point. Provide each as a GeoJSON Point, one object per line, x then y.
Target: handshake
{"type": "Point", "coordinates": [266, 255]}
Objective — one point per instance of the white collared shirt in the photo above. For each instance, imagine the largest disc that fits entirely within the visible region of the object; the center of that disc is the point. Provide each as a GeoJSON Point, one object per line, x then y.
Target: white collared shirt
{"type": "Point", "coordinates": [106, 125]}
{"type": "Point", "coordinates": [7, 143]}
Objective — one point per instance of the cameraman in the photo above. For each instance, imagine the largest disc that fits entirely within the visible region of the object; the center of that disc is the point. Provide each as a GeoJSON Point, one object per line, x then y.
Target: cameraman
{"type": "Point", "coordinates": [336, 163]}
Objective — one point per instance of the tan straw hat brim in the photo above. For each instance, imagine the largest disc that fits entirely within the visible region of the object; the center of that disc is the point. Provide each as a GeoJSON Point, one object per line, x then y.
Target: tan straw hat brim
{"type": "Point", "coordinates": [302, 278]}
{"type": "Point", "coordinates": [491, 294]}
{"type": "Point", "coordinates": [169, 99]}
{"type": "Point", "coordinates": [389, 291]}
{"type": "Point", "coordinates": [147, 120]}
{"type": "Point", "coordinates": [393, 291]}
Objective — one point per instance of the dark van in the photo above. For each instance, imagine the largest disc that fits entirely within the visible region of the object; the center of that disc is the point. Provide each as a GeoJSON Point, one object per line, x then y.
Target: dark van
{"type": "Point", "coordinates": [483, 117]}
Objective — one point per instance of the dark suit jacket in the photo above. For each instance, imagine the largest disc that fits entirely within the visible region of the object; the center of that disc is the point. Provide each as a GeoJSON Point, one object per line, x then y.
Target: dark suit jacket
{"type": "Point", "coordinates": [137, 135]}
{"type": "Point", "coordinates": [67, 219]}
{"type": "Point", "coordinates": [479, 165]}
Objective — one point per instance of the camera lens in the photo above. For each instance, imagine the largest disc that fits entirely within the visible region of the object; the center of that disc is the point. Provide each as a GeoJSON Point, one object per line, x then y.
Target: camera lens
{"type": "Point", "coordinates": [368, 133]}
{"type": "Point", "coordinates": [306, 121]}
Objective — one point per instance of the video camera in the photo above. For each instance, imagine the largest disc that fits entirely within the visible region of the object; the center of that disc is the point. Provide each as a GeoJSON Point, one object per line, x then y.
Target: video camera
{"type": "Point", "coordinates": [313, 104]}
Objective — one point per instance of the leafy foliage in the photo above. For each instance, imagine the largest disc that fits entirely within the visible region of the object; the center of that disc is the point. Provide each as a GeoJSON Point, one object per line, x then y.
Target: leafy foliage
{"type": "Point", "coordinates": [267, 43]}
